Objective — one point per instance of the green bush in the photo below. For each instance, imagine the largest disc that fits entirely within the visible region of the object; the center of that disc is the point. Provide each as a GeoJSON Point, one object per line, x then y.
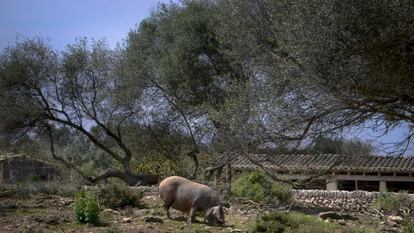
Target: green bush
{"type": "Point", "coordinates": [116, 195]}
{"type": "Point", "coordinates": [258, 187]}
{"type": "Point", "coordinates": [391, 202]}
{"type": "Point", "coordinates": [86, 208]}
{"type": "Point", "coordinates": [408, 226]}
{"type": "Point", "coordinates": [278, 222]}
{"type": "Point", "coordinates": [282, 192]}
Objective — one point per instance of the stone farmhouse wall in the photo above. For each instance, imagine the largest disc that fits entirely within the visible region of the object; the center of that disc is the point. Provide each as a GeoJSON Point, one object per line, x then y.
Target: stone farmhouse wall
{"type": "Point", "coordinates": [338, 200]}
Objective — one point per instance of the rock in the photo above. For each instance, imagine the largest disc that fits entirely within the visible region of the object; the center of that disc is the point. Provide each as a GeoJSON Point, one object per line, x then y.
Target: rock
{"type": "Point", "coordinates": [65, 201]}
{"type": "Point", "coordinates": [126, 220]}
{"type": "Point", "coordinates": [52, 220]}
{"type": "Point", "coordinates": [126, 211]}
{"type": "Point", "coordinates": [110, 211]}
{"type": "Point", "coordinates": [336, 216]}
{"type": "Point", "coordinates": [141, 212]}
{"type": "Point", "coordinates": [341, 222]}
{"type": "Point", "coordinates": [235, 230]}
{"type": "Point", "coordinates": [152, 219]}
{"type": "Point", "coordinates": [395, 218]}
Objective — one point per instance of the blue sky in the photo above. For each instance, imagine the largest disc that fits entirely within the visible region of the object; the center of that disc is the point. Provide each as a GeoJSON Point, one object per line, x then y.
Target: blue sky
{"type": "Point", "coordinates": [62, 21]}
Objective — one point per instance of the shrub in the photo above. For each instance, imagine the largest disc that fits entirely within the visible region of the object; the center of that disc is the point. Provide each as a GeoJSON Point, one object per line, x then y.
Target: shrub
{"type": "Point", "coordinates": [282, 192]}
{"type": "Point", "coordinates": [391, 202]}
{"type": "Point", "coordinates": [258, 187]}
{"type": "Point", "coordinates": [408, 226]}
{"type": "Point", "coordinates": [86, 208]}
{"type": "Point", "coordinates": [278, 222]}
{"type": "Point", "coordinates": [116, 195]}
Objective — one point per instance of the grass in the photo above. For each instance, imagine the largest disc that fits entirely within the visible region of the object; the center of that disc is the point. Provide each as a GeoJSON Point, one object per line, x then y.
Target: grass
{"type": "Point", "coordinates": [391, 203]}
{"type": "Point", "coordinates": [282, 222]}
{"type": "Point", "coordinates": [110, 222]}
{"type": "Point", "coordinates": [408, 226]}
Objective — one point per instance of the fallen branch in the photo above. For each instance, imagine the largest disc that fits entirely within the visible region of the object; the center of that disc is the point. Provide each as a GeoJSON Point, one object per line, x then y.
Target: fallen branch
{"type": "Point", "coordinates": [379, 212]}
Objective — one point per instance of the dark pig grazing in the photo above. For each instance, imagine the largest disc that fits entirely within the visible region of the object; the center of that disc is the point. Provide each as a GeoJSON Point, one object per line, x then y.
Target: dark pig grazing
{"type": "Point", "coordinates": [189, 197]}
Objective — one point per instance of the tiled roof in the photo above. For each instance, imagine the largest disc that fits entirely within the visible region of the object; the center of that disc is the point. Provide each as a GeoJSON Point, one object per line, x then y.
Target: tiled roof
{"type": "Point", "coordinates": [309, 163]}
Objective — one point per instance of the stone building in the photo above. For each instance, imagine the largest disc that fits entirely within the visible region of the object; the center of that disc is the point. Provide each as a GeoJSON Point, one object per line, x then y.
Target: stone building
{"type": "Point", "coordinates": [17, 168]}
{"type": "Point", "coordinates": [337, 172]}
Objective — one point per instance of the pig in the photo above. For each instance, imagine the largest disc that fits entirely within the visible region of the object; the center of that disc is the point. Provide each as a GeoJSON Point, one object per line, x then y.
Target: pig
{"type": "Point", "coordinates": [189, 197]}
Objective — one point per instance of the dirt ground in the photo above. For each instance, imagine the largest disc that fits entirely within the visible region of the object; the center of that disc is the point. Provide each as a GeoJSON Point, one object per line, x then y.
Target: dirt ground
{"type": "Point", "coordinates": [50, 213]}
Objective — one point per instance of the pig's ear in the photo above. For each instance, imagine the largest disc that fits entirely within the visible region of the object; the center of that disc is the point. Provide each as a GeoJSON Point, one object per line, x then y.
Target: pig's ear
{"type": "Point", "coordinates": [209, 212]}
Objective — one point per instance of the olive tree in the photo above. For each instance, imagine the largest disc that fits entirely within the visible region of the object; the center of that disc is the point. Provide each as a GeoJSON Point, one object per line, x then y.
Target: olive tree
{"type": "Point", "coordinates": [177, 52]}
{"type": "Point", "coordinates": [80, 88]}
{"type": "Point", "coordinates": [335, 64]}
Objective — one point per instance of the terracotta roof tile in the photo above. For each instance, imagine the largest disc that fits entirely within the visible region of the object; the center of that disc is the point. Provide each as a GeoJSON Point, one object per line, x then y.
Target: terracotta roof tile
{"type": "Point", "coordinates": [306, 162]}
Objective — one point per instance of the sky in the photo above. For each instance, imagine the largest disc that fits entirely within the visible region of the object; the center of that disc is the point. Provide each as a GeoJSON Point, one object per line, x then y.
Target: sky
{"type": "Point", "coordinates": [62, 21]}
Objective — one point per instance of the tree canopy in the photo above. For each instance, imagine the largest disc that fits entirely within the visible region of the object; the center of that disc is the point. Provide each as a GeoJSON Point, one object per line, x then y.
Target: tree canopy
{"type": "Point", "coordinates": [219, 76]}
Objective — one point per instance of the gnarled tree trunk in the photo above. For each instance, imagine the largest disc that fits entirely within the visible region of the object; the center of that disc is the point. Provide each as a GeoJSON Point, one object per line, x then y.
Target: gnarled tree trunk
{"type": "Point", "coordinates": [126, 175]}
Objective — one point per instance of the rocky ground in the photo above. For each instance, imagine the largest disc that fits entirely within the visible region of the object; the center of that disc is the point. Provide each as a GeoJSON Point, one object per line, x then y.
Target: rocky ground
{"type": "Point", "coordinates": [50, 213]}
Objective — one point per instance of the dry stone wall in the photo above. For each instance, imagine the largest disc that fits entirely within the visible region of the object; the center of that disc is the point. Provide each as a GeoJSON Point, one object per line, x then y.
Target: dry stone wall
{"type": "Point", "coordinates": [337, 200]}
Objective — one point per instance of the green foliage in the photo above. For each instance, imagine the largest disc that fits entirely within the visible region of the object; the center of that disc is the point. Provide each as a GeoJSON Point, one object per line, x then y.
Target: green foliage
{"type": "Point", "coordinates": [281, 191]}
{"type": "Point", "coordinates": [277, 72]}
{"type": "Point", "coordinates": [156, 165]}
{"type": "Point", "coordinates": [80, 151]}
{"type": "Point", "coordinates": [258, 187]}
{"type": "Point", "coordinates": [112, 230]}
{"type": "Point", "coordinates": [281, 222]}
{"type": "Point", "coordinates": [408, 226]}
{"type": "Point", "coordinates": [391, 202]}
{"type": "Point", "coordinates": [186, 58]}
{"type": "Point", "coordinates": [86, 208]}
{"type": "Point", "coordinates": [117, 194]}
{"type": "Point", "coordinates": [326, 145]}
{"type": "Point", "coordinates": [88, 168]}
{"type": "Point", "coordinates": [325, 54]}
